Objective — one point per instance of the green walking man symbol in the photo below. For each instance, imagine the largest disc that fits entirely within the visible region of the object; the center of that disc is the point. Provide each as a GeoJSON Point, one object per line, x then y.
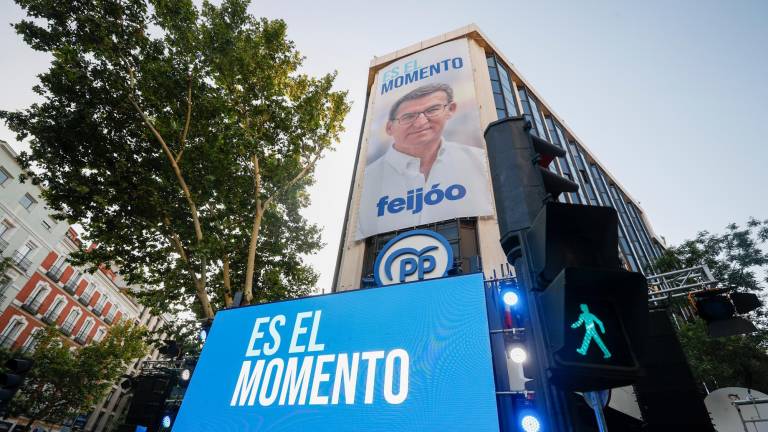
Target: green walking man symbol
{"type": "Point", "coordinates": [589, 320]}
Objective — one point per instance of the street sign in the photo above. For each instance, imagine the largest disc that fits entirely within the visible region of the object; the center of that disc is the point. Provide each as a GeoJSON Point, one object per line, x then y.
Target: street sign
{"type": "Point", "coordinates": [408, 357]}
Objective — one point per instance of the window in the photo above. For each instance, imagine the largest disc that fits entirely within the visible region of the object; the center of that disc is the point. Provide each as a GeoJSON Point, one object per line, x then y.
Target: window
{"type": "Point", "coordinates": [502, 89]}
{"type": "Point", "coordinates": [5, 227]}
{"type": "Point", "coordinates": [35, 300]}
{"type": "Point", "coordinates": [4, 175]}
{"type": "Point", "coordinates": [69, 323]}
{"type": "Point", "coordinates": [99, 334]}
{"type": "Point", "coordinates": [46, 224]}
{"type": "Point", "coordinates": [112, 312]}
{"type": "Point", "coordinates": [27, 201]}
{"type": "Point", "coordinates": [99, 307]}
{"type": "Point", "coordinates": [21, 256]}
{"type": "Point", "coordinates": [53, 312]}
{"type": "Point", "coordinates": [11, 332]}
{"type": "Point", "coordinates": [88, 293]}
{"type": "Point", "coordinates": [84, 330]}
{"type": "Point", "coordinates": [31, 342]}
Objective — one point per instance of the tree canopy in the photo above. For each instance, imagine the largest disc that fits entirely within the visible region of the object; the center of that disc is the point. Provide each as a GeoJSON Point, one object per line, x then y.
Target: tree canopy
{"type": "Point", "coordinates": [737, 259]}
{"type": "Point", "coordinates": [65, 382]}
{"type": "Point", "coordinates": [183, 139]}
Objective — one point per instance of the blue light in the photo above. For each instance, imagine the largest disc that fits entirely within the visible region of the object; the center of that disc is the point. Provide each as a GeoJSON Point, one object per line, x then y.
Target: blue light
{"type": "Point", "coordinates": [203, 335]}
{"type": "Point", "coordinates": [509, 298]}
{"type": "Point", "coordinates": [530, 423]}
{"type": "Point", "coordinates": [166, 421]}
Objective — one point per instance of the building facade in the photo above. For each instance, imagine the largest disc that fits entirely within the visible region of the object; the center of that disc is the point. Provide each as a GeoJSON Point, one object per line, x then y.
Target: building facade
{"type": "Point", "coordinates": [42, 289]}
{"type": "Point", "coordinates": [495, 90]}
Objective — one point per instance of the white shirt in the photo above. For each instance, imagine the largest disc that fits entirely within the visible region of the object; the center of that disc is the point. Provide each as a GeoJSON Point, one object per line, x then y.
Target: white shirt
{"type": "Point", "coordinates": [396, 176]}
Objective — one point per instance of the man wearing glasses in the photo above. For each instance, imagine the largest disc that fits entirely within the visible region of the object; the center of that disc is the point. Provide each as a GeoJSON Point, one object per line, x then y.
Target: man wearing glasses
{"type": "Point", "coordinates": [422, 177]}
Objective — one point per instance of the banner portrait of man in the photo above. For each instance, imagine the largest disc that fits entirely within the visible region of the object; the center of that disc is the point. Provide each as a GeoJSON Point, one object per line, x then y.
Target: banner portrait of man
{"type": "Point", "coordinates": [426, 160]}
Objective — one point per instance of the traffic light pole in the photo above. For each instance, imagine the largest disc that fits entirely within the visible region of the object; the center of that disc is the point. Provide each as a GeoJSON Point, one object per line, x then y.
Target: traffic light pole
{"type": "Point", "coordinates": [553, 400]}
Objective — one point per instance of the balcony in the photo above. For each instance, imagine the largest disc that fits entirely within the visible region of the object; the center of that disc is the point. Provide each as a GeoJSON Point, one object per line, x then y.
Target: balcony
{"type": "Point", "coordinates": [21, 261]}
{"type": "Point", "coordinates": [3, 245]}
{"type": "Point", "coordinates": [67, 328]}
{"type": "Point", "coordinates": [32, 308]}
{"type": "Point", "coordinates": [84, 300]}
{"type": "Point", "coordinates": [109, 318]}
{"type": "Point", "coordinates": [71, 286]}
{"type": "Point", "coordinates": [55, 272]}
{"type": "Point", "coordinates": [81, 339]}
{"type": "Point", "coordinates": [6, 341]}
{"type": "Point", "coordinates": [98, 309]}
{"type": "Point", "coordinates": [50, 320]}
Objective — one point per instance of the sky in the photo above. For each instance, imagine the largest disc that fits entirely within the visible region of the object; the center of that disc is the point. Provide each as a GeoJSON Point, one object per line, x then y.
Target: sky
{"type": "Point", "coordinates": [670, 96]}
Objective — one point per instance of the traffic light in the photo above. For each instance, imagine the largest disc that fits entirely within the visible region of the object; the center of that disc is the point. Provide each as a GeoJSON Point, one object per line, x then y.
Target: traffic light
{"type": "Point", "coordinates": [595, 314]}
{"type": "Point", "coordinates": [521, 179]}
{"type": "Point", "coordinates": [718, 308]}
{"type": "Point", "coordinates": [12, 380]}
{"type": "Point", "coordinates": [596, 322]}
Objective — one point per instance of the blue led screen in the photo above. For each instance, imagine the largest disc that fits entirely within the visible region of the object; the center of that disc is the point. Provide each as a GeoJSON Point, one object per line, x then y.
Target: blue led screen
{"type": "Point", "coordinates": [410, 357]}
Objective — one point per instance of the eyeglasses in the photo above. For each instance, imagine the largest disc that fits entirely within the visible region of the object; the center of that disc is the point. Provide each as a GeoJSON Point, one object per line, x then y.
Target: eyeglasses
{"type": "Point", "coordinates": [433, 111]}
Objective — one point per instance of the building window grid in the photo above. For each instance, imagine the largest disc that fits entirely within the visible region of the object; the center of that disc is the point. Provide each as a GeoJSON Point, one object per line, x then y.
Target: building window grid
{"type": "Point", "coordinates": [645, 236]}
{"type": "Point", "coordinates": [566, 165]}
{"type": "Point", "coordinates": [630, 229]}
{"type": "Point", "coordinates": [99, 307]}
{"type": "Point", "coordinates": [586, 178]}
{"type": "Point", "coordinates": [624, 245]}
{"type": "Point", "coordinates": [503, 96]}
{"type": "Point", "coordinates": [507, 90]}
{"type": "Point", "coordinates": [88, 293]}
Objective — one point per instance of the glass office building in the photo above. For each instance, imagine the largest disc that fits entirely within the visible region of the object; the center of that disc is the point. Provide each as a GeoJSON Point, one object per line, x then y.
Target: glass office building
{"type": "Point", "coordinates": [499, 91]}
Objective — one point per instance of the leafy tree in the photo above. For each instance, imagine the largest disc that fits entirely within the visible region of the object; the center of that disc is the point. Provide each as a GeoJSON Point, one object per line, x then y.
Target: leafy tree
{"type": "Point", "coordinates": [737, 259]}
{"type": "Point", "coordinates": [183, 139]}
{"type": "Point", "coordinates": [64, 382]}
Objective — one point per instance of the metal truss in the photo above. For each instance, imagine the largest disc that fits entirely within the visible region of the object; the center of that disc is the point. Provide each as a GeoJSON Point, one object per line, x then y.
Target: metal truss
{"type": "Point", "coordinates": [679, 283]}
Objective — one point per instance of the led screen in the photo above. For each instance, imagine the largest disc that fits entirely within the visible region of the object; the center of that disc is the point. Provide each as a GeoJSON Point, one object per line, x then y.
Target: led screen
{"type": "Point", "coordinates": [410, 357]}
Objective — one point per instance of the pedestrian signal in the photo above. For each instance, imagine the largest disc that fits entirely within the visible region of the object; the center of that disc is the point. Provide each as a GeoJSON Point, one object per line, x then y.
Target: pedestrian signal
{"type": "Point", "coordinates": [595, 322]}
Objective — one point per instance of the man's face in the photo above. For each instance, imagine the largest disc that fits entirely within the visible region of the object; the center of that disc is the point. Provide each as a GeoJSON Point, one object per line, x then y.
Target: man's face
{"type": "Point", "coordinates": [424, 130]}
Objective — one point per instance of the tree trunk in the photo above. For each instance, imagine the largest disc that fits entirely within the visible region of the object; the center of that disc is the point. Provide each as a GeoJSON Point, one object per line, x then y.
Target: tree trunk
{"type": "Point", "coordinates": [248, 287]}
{"type": "Point", "coordinates": [228, 300]}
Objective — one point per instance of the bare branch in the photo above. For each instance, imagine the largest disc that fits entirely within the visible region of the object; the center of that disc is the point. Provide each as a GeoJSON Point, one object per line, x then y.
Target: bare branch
{"type": "Point", "coordinates": [174, 166]}
{"type": "Point", "coordinates": [187, 120]}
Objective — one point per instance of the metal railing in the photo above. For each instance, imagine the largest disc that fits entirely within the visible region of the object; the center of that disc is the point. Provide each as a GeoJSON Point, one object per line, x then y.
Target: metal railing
{"type": "Point", "coordinates": [49, 319]}
{"type": "Point", "coordinates": [85, 299]}
{"type": "Point", "coordinates": [3, 244]}
{"type": "Point", "coordinates": [33, 307]}
{"type": "Point", "coordinates": [55, 272]}
{"type": "Point", "coordinates": [81, 339]}
{"type": "Point", "coordinates": [67, 328]}
{"type": "Point", "coordinates": [21, 261]}
{"type": "Point", "coordinates": [109, 318]}
{"type": "Point", "coordinates": [71, 285]}
{"type": "Point", "coordinates": [7, 341]}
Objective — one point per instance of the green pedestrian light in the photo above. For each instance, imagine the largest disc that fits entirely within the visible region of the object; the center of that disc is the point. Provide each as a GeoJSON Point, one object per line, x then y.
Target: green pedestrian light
{"type": "Point", "coordinates": [589, 320]}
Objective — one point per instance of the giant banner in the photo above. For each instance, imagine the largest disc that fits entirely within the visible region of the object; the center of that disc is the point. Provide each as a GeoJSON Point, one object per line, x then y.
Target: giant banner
{"type": "Point", "coordinates": [410, 357]}
{"type": "Point", "coordinates": [425, 159]}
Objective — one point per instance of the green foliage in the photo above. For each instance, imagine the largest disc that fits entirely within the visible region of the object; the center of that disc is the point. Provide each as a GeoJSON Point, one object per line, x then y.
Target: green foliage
{"type": "Point", "coordinates": [65, 382]}
{"type": "Point", "coordinates": [736, 361]}
{"type": "Point", "coordinates": [737, 259]}
{"type": "Point", "coordinates": [180, 137]}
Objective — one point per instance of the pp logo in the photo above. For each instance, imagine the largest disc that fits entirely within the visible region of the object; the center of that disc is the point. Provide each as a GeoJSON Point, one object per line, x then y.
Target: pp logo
{"type": "Point", "coordinates": [413, 256]}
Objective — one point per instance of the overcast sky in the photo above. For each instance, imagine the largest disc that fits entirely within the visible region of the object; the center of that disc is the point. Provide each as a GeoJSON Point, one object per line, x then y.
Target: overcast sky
{"type": "Point", "coordinates": [670, 96]}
